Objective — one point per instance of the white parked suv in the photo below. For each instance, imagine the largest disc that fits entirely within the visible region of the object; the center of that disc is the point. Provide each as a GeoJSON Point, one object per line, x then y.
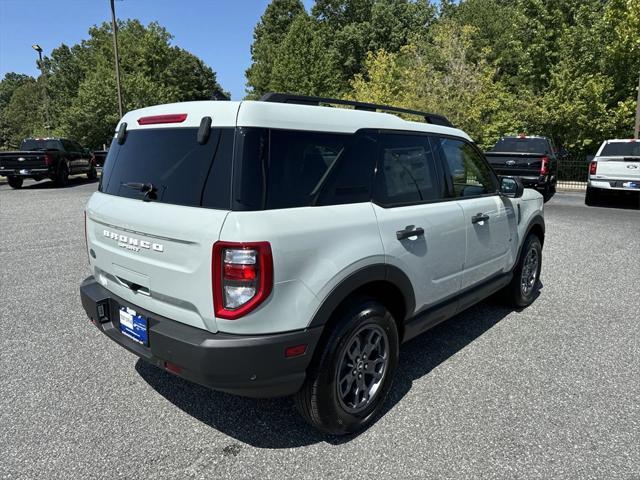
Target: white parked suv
{"type": "Point", "coordinates": [280, 247]}
{"type": "Point", "coordinates": [615, 168]}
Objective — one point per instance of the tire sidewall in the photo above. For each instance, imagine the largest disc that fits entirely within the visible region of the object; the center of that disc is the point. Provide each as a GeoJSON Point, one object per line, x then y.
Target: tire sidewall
{"type": "Point", "coordinates": [329, 406]}
{"type": "Point", "coordinates": [63, 175]}
{"type": "Point", "coordinates": [15, 182]}
{"type": "Point", "coordinates": [532, 242]}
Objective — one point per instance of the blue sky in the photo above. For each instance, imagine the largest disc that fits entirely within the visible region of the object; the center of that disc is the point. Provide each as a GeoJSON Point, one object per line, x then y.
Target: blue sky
{"type": "Point", "coordinates": [217, 31]}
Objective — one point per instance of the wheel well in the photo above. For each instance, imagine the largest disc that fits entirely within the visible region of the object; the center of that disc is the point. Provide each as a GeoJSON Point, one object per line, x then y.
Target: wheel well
{"type": "Point", "coordinates": [539, 232]}
{"type": "Point", "coordinates": [387, 293]}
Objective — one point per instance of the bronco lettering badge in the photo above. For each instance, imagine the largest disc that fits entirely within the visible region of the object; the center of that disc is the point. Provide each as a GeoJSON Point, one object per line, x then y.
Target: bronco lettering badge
{"type": "Point", "coordinates": [133, 244]}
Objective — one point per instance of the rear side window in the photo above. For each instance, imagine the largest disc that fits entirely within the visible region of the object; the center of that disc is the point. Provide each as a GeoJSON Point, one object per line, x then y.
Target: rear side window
{"type": "Point", "coordinates": [469, 174]}
{"type": "Point", "coordinates": [287, 168]}
{"type": "Point", "coordinates": [407, 171]}
{"type": "Point", "coordinates": [182, 171]}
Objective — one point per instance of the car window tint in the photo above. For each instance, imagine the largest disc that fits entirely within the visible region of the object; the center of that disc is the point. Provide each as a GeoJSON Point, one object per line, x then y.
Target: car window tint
{"type": "Point", "coordinates": [470, 174]}
{"type": "Point", "coordinates": [285, 168]}
{"type": "Point", "coordinates": [406, 170]}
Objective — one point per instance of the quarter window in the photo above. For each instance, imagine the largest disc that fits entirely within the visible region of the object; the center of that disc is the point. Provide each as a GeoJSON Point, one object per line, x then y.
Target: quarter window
{"type": "Point", "coordinates": [470, 175]}
{"type": "Point", "coordinates": [407, 171]}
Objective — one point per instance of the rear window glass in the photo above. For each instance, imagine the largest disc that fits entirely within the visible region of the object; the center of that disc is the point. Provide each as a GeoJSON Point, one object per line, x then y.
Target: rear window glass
{"type": "Point", "coordinates": [181, 171]}
{"type": "Point", "coordinates": [32, 144]}
{"type": "Point", "coordinates": [522, 145]}
{"type": "Point", "coordinates": [286, 168]}
{"type": "Point", "coordinates": [621, 149]}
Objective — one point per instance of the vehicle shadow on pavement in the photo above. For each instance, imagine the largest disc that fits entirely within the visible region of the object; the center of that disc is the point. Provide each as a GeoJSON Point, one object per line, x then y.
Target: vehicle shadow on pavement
{"type": "Point", "coordinates": [50, 184]}
{"type": "Point", "coordinates": [274, 423]}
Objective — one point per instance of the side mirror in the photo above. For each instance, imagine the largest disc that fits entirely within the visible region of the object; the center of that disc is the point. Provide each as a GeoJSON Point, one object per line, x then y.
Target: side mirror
{"type": "Point", "coordinates": [511, 187]}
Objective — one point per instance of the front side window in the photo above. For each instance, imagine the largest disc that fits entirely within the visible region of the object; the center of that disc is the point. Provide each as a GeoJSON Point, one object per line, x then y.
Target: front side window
{"type": "Point", "coordinates": [469, 174]}
{"type": "Point", "coordinates": [407, 171]}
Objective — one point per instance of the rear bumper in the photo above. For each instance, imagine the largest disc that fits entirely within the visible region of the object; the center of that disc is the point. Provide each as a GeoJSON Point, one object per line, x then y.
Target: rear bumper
{"type": "Point", "coordinates": [253, 366]}
{"type": "Point", "coordinates": [25, 172]}
{"type": "Point", "coordinates": [538, 182]}
{"type": "Point", "coordinates": [615, 184]}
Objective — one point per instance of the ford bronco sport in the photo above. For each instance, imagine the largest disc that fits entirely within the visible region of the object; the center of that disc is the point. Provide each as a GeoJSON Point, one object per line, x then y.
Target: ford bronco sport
{"type": "Point", "coordinates": [282, 247]}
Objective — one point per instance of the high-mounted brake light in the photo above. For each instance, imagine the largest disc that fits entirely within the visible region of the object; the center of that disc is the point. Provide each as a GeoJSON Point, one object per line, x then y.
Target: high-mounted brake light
{"type": "Point", "coordinates": [168, 118]}
{"type": "Point", "coordinates": [593, 167]}
{"type": "Point", "coordinates": [241, 277]}
{"type": "Point", "coordinates": [544, 167]}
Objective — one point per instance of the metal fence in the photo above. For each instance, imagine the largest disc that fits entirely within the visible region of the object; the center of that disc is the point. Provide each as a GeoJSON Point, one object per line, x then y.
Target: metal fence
{"type": "Point", "coordinates": [572, 173]}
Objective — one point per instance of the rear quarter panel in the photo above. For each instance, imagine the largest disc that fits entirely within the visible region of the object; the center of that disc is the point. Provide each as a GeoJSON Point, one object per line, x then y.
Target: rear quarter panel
{"type": "Point", "coordinates": [314, 249]}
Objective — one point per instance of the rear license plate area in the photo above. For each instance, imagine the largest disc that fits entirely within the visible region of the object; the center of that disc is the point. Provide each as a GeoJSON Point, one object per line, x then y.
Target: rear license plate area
{"type": "Point", "coordinates": [134, 326]}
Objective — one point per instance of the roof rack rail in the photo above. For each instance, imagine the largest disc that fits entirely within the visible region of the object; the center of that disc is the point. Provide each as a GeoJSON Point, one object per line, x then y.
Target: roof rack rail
{"type": "Point", "coordinates": [369, 107]}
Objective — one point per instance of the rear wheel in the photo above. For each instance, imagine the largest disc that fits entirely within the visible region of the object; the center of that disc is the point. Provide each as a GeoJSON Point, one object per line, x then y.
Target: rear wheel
{"type": "Point", "coordinates": [92, 174]}
{"type": "Point", "coordinates": [592, 196]}
{"type": "Point", "coordinates": [62, 178]}
{"type": "Point", "coordinates": [351, 377]}
{"type": "Point", "coordinates": [15, 182]}
{"type": "Point", "coordinates": [526, 275]}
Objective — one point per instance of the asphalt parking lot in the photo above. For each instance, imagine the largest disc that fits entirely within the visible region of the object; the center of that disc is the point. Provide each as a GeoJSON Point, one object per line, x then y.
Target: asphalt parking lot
{"type": "Point", "coordinates": [548, 392]}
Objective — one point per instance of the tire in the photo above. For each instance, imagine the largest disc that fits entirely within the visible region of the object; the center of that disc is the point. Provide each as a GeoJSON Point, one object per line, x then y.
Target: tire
{"type": "Point", "coordinates": [592, 197]}
{"type": "Point", "coordinates": [15, 182]}
{"type": "Point", "coordinates": [548, 192]}
{"type": "Point", "coordinates": [524, 285]}
{"type": "Point", "coordinates": [93, 173]}
{"type": "Point", "coordinates": [62, 177]}
{"type": "Point", "coordinates": [320, 401]}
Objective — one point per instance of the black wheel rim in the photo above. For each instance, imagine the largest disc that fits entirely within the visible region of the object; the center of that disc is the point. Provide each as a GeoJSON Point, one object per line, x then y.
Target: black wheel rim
{"type": "Point", "coordinates": [529, 275]}
{"type": "Point", "coordinates": [362, 369]}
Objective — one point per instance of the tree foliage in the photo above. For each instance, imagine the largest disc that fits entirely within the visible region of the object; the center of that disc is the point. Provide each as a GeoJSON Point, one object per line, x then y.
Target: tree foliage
{"type": "Point", "coordinates": [80, 84]}
{"type": "Point", "coordinates": [563, 68]}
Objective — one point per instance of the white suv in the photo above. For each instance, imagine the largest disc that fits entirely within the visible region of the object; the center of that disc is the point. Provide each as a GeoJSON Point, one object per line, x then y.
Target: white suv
{"type": "Point", "coordinates": [280, 247]}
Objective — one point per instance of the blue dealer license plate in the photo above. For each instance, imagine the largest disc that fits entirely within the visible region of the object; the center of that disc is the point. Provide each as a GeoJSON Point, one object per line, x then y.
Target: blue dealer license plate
{"type": "Point", "coordinates": [133, 325]}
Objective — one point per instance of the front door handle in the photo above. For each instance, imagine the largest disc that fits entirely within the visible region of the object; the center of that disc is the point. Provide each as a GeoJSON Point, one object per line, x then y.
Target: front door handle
{"type": "Point", "coordinates": [480, 217]}
{"type": "Point", "coordinates": [409, 231]}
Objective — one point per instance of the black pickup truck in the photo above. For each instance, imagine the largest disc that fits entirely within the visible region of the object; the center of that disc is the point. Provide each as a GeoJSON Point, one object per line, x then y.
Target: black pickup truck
{"type": "Point", "coordinates": [39, 158]}
{"type": "Point", "coordinates": [533, 159]}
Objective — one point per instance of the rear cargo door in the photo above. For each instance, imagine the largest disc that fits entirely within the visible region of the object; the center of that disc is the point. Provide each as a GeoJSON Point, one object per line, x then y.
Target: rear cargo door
{"type": "Point", "coordinates": [515, 164]}
{"type": "Point", "coordinates": [622, 168]}
{"type": "Point", "coordinates": [163, 200]}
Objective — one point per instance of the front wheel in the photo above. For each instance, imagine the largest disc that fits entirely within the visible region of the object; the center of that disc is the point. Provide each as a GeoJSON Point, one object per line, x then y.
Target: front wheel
{"type": "Point", "coordinates": [15, 182]}
{"type": "Point", "coordinates": [524, 286]}
{"type": "Point", "coordinates": [348, 382]}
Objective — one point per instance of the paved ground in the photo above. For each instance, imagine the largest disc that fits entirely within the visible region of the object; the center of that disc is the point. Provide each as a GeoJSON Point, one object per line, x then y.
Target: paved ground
{"type": "Point", "coordinates": [549, 392]}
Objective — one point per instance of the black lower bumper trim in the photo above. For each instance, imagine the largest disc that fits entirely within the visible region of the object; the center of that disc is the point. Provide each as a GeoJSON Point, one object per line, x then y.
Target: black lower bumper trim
{"type": "Point", "coordinates": [248, 365]}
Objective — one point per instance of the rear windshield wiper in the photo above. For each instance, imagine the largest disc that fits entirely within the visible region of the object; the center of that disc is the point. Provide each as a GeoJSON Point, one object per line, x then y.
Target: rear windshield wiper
{"type": "Point", "coordinates": [147, 188]}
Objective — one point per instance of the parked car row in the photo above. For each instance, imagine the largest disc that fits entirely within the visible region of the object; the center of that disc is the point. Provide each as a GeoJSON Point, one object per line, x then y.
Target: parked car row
{"type": "Point", "coordinates": [53, 158]}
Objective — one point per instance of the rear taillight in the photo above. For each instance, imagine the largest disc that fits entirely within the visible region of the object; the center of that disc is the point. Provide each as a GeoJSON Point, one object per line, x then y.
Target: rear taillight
{"type": "Point", "coordinates": [593, 167]}
{"type": "Point", "coordinates": [48, 160]}
{"type": "Point", "coordinates": [544, 168]}
{"type": "Point", "coordinates": [241, 276]}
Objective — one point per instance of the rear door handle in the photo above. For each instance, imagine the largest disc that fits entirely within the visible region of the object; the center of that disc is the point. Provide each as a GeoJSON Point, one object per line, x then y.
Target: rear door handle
{"type": "Point", "coordinates": [480, 217]}
{"type": "Point", "coordinates": [409, 231]}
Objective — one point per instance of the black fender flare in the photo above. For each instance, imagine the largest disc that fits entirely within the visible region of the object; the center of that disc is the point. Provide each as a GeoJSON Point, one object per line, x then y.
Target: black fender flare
{"type": "Point", "coordinates": [536, 220]}
{"type": "Point", "coordinates": [358, 279]}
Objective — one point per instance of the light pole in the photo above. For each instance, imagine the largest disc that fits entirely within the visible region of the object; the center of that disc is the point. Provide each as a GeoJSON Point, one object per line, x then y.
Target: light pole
{"type": "Point", "coordinates": [636, 130]}
{"type": "Point", "coordinates": [114, 29]}
{"type": "Point", "coordinates": [38, 49]}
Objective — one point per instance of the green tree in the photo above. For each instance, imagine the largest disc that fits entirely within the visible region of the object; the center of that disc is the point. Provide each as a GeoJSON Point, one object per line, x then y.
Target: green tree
{"type": "Point", "coordinates": [22, 116]}
{"type": "Point", "coordinates": [268, 35]}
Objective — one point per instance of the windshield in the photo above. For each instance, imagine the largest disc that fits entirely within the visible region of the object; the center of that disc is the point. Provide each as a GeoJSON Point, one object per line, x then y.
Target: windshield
{"type": "Point", "coordinates": [522, 145]}
{"type": "Point", "coordinates": [33, 144]}
{"type": "Point", "coordinates": [621, 149]}
{"type": "Point", "coordinates": [171, 163]}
